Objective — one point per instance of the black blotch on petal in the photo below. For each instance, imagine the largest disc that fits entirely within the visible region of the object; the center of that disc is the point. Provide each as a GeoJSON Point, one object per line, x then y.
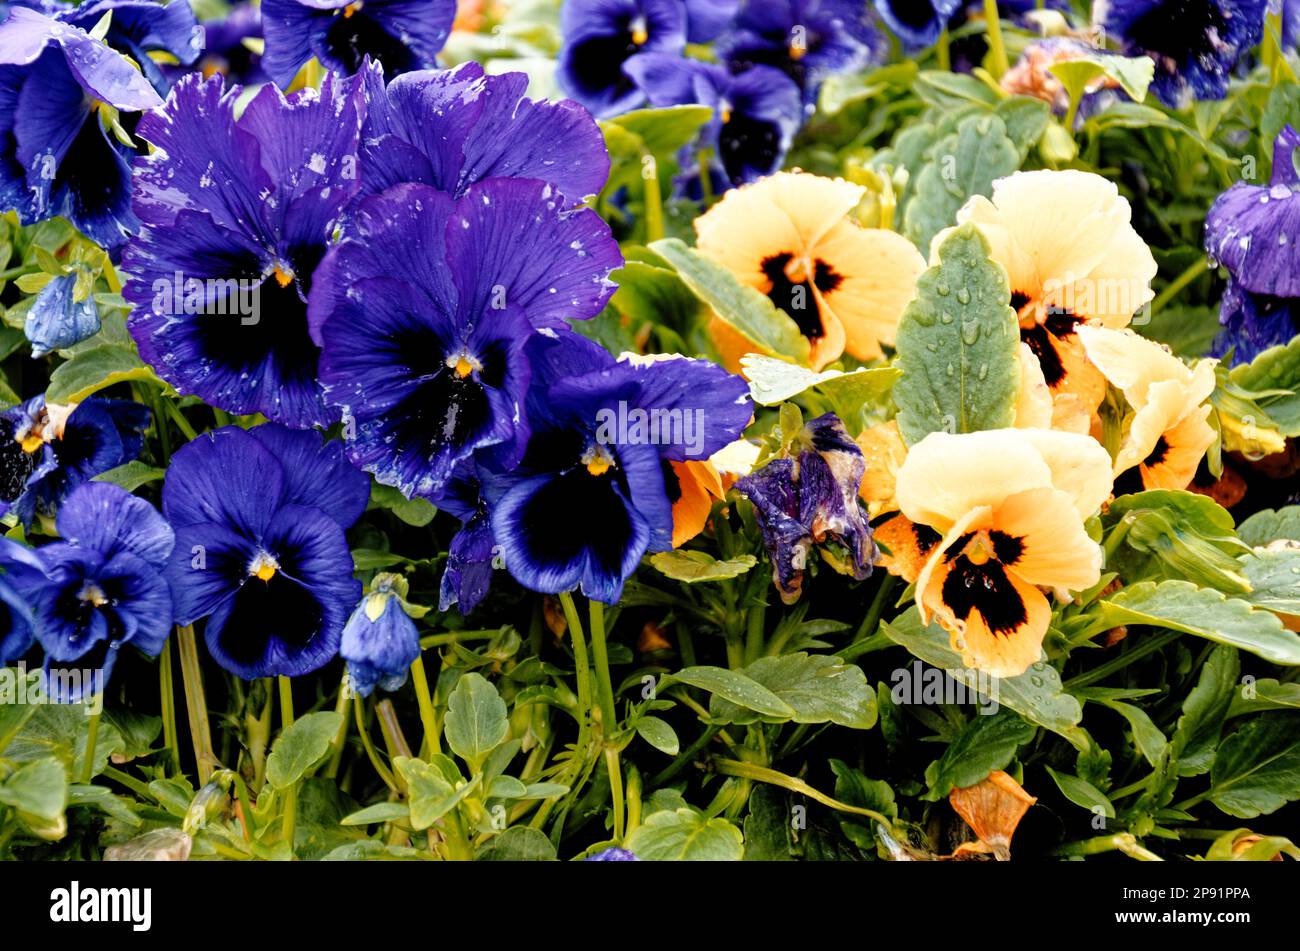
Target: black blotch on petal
{"type": "Point", "coordinates": [987, 589]}
{"type": "Point", "coordinates": [350, 39]}
{"type": "Point", "coordinates": [280, 609]}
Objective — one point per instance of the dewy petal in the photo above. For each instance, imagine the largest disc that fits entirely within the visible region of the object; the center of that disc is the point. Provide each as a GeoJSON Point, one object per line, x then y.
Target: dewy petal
{"type": "Point", "coordinates": [1132, 363]}
{"type": "Point", "coordinates": [109, 519]}
{"type": "Point", "coordinates": [316, 472]}
{"type": "Point", "coordinates": [379, 648]}
{"type": "Point", "coordinates": [917, 23]}
{"type": "Point", "coordinates": [225, 476]}
{"type": "Point", "coordinates": [206, 568]}
{"type": "Point", "coordinates": [945, 475]}
{"type": "Point", "coordinates": [142, 601]}
{"type": "Point", "coordinates": [55, 320]}
{"type": "Point", "coordinates": [140, 27]}
{"type": "Point", "coordinates": [1034, 405]}
{"type": "Point", "coordinates": [1056, 552]}
{"type": "Point", "coordinates": [1254, 231]}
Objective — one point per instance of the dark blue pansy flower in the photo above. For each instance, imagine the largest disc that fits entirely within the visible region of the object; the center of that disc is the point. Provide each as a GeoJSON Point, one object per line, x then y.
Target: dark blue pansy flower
{"type": "Point", "coordinates": [20, 570]}
{"type": "Point", "coordinates": [260, 551]}
{"type": "Point", "coordinates": [601, 35]}
{"type": "Point", "coordinates": [613, 854]}
{"type": "Point", "coordinates": [46, 451]}
{"type": "Point", "coordinates": [57, 319]}
{"type": "Point", "coordinates": [236, 214]}
{"type": "Point", "coordinates": [755, 114]}
{"type": "Point", "coordinates": [380, 641]}
{"type": "Point", "coordinates": [140, 27]}
{"type": "Point", "coordinates": [60, 93]}
{"type": "Point", "coordinates": [917, 23]}
{"type": "Point", "coordinates": [807, 40]}
{"type": "Point", "coordinates": [706, 19]}
{"type": "Point", "coordinates": [452, 128]}
{"type": "Point", "coordinates": [1194, 43]}
{"type": "Point", "coordinates": [423, 314]}
{"type": "Point", "coordinates": [104, 586]}
{"type": "Point", "coordinates": [589, 497]}
{"type": "Point", "coordinates": [1254, 232]}
{"type": "Point", "coordinates": [402, 35]}
{"type": "Point", "coordinates": [468, 574]}
{"type": "Point", "coordinates": [224, 49]}
{"type": "Point", "coordinates": [810, 497]}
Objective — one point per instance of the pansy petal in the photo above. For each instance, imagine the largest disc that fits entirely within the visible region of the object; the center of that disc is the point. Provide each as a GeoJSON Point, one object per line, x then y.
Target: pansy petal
{"type": "Point", "coordinates": [225, 476]}
{"type": "Point", "coordinates": [106, 517]}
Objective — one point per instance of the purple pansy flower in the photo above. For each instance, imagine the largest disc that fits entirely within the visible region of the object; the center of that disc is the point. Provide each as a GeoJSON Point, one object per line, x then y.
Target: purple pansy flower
{"type": "Point", "coordinates": [236, 215]}
{"type": "Point", "coordinates": [755, 114]}
{"type": "Point", "coordinates": [452, 128]}
{"type": "Point", "coordinates": [224, 49]}
{"type": "Point", "coordinates": [1253, 231]}
{"type": "Point", "coordinates": [601, 35]}
{"type": "Point", "coordinates": [807, 40]}
{"type": "Point", "coordinates": [60, 89]}
{"type": "Point", "coordinates": [423, 314]}
{"type": "Point", "coordinates": [401, 35]}
{"type": "Point", "coordinates": [380, 641]}
{"type": "Point", "coordinates": [20, 569]}
{"type": "Point", "coordinates": [1195, 43]}
{"type": "Point", "coordinates": [57, 319]}
{"type": "Point", "coordinates": [612, 854]}
{"type": "Point", "coordinates": [811, 498]}
{"type": "Point", "coordinates": [588, 498]}
{"type": "Point", "coordinates": [707, 19]}
{"type": "Point", "coordinates": [137, 28]}
{"type": "Point", "coordinates": [260, 551]}
{"type": "Point", "coordinates": [47, 451]}
{"type": "Point", "coordinates": [468, 574]}
{"type": "Point", "coordinates": [103, 586]}
{"type": "Point", "coordinates": [917, 23]}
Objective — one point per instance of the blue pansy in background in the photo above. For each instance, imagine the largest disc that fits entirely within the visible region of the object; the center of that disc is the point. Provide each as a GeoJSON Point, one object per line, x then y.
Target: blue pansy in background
{"type": "Point", "coordinates": [20, 570]}
{"type": "Point", "coordinates": [452, 128]}
{"type": "Point", "coordinates": [424, 313]}
{"type": "Point", "coordinates": [807, 40]}
{"type": "Point", "coordinates": [57, 319]}
{"type": "Point", "coordinates": [755, 114]}
{"type": "Point", "coordinates": [1194, 43]}
{"type": "Point", "coordinates": [601, 35]}
{"type": "Point", "coordinates": [63, 148]}
{"type": "Point", "coordinates": [48, 450]}
{"type": "Point", "coordinates": [612, 854]}
{"type": "Point", "coordinates": [401, 35]}
{"type": "Point", "coordinates": [137, 28]}
{"type": "Point", "coordinates": [236, 215]}
{"type": "Point", "coordinates": [707, 19]}
{"type": "Point", "coordinates": [380, 640]}
{"type": "Point", "coordinates": [588, 498]}
{"type": "Point", "coordinates": [917, 23]}
{"type": "Point", "coordinates": [1252, 231]}
{"type": "Point", "coordinates": [260, 551]}
{"type": "Point", "coordinates": [810, 497]}
{"type": "Point", "coordinates": [104, 586]}
{"type": "Point", "coordinates": [224, 49]}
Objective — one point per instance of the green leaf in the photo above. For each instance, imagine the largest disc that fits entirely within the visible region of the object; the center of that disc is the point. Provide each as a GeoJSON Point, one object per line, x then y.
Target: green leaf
{"type": "Point", "coordinates": [1148, 739]}
{"type": "Point", "coordinates": [736, 687]}
{"type": "Point", "coordinates": [958, 345]}
{"type": "Point", "coordinates": [417, 512]}
{"type": "Point", "coordinates": [855, 789]}
{"type": "Point", "coordinates": [428, 792]}
{"type": "Point", "coordinates": [1036, 695]}
{"type": "Point", "coordinates": [1266, 693]}
{"type": "Point", "coordinates": [379, 812]}
{"type": "Point", "coordinates": [986, 744]}
{"type": "Point", "coordinates": [1133, 73]}
{"type": "Point", "coordinates": [14, 715]}
{"type": "Point", "coordinates": [476, 719]}
{"type": "Point", "coordinates": [1082, 793]}
{"type": "Point", "coordinates": [819, 688]}
{"type": "Point", "coordinates": [773, 381]}
{"type": "Point", "coordinates": [38, 789]}
{"type": "Point", "coordinates": [746, 310]}
{"type": "Point", "coordinates": [1276, 369]}
{"type": "Point", "coordinates": [1026, 118]}
{"type": "Point", "coordinates": [658, 734]}
{"type": "Point", "coordinates": [690, 566]}
{"type": "Point", "coordinates": [131, 475]}
{"type": "Point", "coordinates": [1274, 578]}
{"type": "Point", "coordinates": [664, 130]}
{"type": "Point", "coordinates": [684, 835]}
{"type": "Point", "coordinates": [301, 746]}
{"type": "Point", "coordinates": [1196, 738]}
{"type": "Point", "coordinates": [962, 164]}
{"type": "Point", "coordinates": [1172, 534]}
{"type": "Point", "coordinates": [1270, 525]}
{"type": "Point", "coordinates": [939, 87]}
{"type": "Point", "coordinates": [517, 844]}
{"type": "Point", "coordinates": [1204, 612]}
{"type": "Point", "coordinates": [92, 370]}
{"type": "Point", "coordinates": [1257, 769]}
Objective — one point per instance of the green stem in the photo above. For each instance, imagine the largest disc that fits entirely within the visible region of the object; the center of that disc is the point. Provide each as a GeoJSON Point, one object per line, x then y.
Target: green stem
{"type": "Point", "coordinates": [160, 424]}
{"type": "Point", "coordinates": [616, 792]}
{"type": "Point", "coordinates": [167, 692]}
{"type": "Point", "coordinates": [290, 794]}
{"type": "Point", "coordinates": [684, 758]}
{"type": "Point", "coordinates": [608, 713]}
{"type": "Point", "coordinates": [371, 753]}
{"type": "Point", "coordinates": [92, 736]}
{"type": "Point", "coordinates": [871, 620]}
{"type": "Point", "coordinates": [340, 738]}
{"type": "Point", "coordinates": [455, 637]}
{"type": "Point", "coordinates": [1171, 289]}
{"type": "Point", "coordinates": [755, 628]}
{"type": "Point", "coordinates": [179, 419]}
{"type": "Point", "coordinates": [654, 209]}
{"type": "Point", "coordinates": [129, 781]}
{"type": "Point", "coordinates": [997, 60]}
{"type": "Point", "coordinates": [633, 798]}
{"type": "Point", "coordinates": [1149, 645]}
{"type": "Point", "coordinates": [1124, 842]}
{"type": "Point", "coordinates": [941, 51]}
{"type": "Point", "coordinates": [18, 271]}
{"type": "Point", "coordinates": [422, 695]}
{"type": "Point", "coordinates": [196, 704]}
{"type": "Point", "coordinates": [583, 672]}
{"type": "Point", "coordinates": [734, 767]}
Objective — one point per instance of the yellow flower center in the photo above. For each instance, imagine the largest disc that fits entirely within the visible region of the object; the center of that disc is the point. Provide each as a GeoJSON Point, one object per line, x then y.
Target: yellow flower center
{"type": "Point", "coordinates": [93, 595]}
{"type": "Point", "coordinates": [639, 33]}
{"type": "Point", "coordinates": [462, 364]}
{"type": "Point", "coordinates": [598, 461]}
{"type": "Point", "coordinates": [798, 270]}
{"type": "Point", "coordinates": [796, 51]}
{"type": "Point", "coordinates": [264, 566]}
{"type": "Point", "coordinates": [350, 9]}
{"type": "Point", "coordinates": [31, 442]}
{"type": "Point", "coordinates": [283, 277]}
{"type": "Point", "coordinates": [977, 552]}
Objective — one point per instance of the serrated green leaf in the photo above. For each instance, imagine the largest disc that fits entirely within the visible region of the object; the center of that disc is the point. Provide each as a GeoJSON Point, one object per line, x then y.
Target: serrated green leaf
{"type": "Point", "coordinates": [1274, 578]}
{"type": "Point", "coordinates": [379, 812]}
{"type": "Point", "coordinates": [1257, 769]}
{"type": "Point", "coordinates": [690, 566]}
{"type": "Point", "coordinates": [517, 844]}
{"type": "Point", "coordinates": [660, 131]}
{"type": "Point", "coordinates": [1204, 612]}
{"type": "Point", "coordinates": [986, 744]}
{"type": "Point", "coordinates": [1270, 525]}
{"type": "Point", "coordinates": [736, 687]}
{"type": "Point", "coordinates": [1196, 737]}
{"type": "Point", "coordinates": [301, 746]}
{"type": "Point", "coordinates": [819, 688]}
{"type": "Point", "coordinates": [92, 370]}
{"type": "Point", "coordinates": [1276, 369]}
{"type": "Point", "coordinates": [684, 835]}
{"type": "Point", "coordinates": [39, 789]}
{"type": "Point", "coordinates": [428, 792]}
{"type": "Point", "coordinates": [476, 719]}
{"type": "Point", "coordinates": [1148, 739]}
{"type": "Point", "coordinates": [958, 345]}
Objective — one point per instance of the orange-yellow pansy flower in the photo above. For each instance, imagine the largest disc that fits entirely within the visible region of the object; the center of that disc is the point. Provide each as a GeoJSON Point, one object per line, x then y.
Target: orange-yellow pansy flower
{"type": "Point", "coordinates": [790, 236]}
{"type": "Point", "coordinates": [1169, 433]}
{"type": "Point", "coordinates": [1009, 507]}
{"type": "Point", "coordinates": [1071, 257]}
